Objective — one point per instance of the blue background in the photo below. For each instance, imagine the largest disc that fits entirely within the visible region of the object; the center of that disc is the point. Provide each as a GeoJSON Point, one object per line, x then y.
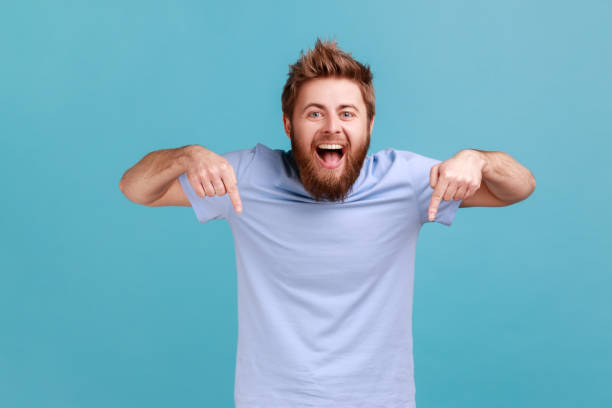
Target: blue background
{"type": "Point", "coordinates": [106, 303]}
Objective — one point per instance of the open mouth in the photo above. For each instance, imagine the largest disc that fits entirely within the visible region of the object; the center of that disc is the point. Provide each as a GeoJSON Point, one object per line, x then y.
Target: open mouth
{"type": "Point", "coordinates": [330, 157]}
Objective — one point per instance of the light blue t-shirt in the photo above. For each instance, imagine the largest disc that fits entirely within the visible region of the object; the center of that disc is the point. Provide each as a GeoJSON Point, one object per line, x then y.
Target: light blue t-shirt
{"type": "Point", "coordinates": [325, 288]}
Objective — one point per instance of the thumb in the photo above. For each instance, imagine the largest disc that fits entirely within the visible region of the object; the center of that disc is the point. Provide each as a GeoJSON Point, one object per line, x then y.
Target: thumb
{"type": "Point", "coordinates": [433, 175]}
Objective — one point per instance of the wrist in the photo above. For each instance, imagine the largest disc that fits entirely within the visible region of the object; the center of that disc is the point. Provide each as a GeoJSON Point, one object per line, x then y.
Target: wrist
{"type": "Point", "coordinates": [482, 157]}
{"type": "Point", "coordinates": [184, 155]}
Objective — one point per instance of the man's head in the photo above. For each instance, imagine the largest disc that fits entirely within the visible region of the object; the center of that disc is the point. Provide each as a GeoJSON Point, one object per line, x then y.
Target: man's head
{"type": "Point", "coordinates": [328, 102]}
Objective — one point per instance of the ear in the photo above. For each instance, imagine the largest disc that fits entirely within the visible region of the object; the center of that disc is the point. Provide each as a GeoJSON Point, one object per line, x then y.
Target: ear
{"type": "Point", "coordinates": [287, 126]}
{"type": "Point", "coordinates": [372, 123]}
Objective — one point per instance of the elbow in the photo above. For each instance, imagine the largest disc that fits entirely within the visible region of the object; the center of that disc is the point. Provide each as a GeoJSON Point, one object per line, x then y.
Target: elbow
{"type": "Point", "coordinates": [531, 187]}
{"type": "Point", "coordinates": [528, 189]}
{"type": "Point", "coordinates": [129, 194]}
{"type": "Point", "coordinates": [123, 187]}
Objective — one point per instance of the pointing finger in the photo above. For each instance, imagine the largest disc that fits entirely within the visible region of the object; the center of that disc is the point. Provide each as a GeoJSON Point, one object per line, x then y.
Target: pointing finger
{"type": "Point", "coordinates": [231, 185]}
{"type": "Point", "coordinates": [436, 197]}
{"type": "Point", "coordinates": [232, 190]}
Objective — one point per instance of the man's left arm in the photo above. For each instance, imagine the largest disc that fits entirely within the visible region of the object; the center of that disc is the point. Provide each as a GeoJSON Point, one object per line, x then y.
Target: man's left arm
{"type": "Point", "coordinates": [480, 179]}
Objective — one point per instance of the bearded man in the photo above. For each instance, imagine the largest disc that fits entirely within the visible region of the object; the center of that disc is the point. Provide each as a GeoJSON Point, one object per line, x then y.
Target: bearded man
{"type": "Point", "coordinates": [325, 243]}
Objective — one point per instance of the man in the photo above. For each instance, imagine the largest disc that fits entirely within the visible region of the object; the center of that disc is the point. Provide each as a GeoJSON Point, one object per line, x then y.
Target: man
{"type": "Point", "coordinates": [326, 240]}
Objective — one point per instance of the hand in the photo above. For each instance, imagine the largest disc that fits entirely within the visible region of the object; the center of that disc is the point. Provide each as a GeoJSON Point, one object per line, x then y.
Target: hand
{"type": "Point", "coordinates": [455, 179]}
{"type": "Point", "coordinates": [211, 174]}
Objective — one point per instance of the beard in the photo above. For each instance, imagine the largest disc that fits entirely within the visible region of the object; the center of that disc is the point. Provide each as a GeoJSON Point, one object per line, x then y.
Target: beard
{"type": "Point", "coordinates": [324, 183]}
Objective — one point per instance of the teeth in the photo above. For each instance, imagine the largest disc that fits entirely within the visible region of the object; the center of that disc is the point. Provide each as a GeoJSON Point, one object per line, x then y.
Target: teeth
{"type": "Point", "coordinates": [330, 146]}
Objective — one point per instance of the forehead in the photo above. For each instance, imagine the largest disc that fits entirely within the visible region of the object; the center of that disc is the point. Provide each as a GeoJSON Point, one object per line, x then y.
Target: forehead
{"type": "Point", "coordinates": [330, 91]}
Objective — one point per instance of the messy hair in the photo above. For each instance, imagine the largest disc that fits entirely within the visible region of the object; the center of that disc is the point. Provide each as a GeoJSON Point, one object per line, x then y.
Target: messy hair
{"type": "Point", "coordinates": [327, 60]}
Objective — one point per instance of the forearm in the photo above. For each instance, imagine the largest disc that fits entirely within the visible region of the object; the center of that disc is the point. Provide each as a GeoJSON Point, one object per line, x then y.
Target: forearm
{"type": "Point", "coordinates": [506, 178]}
{"type": "Point", "coordinates": [149, 179]}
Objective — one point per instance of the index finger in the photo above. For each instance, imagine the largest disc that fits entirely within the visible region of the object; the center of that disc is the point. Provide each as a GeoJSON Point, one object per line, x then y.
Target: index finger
{"type": "Point", "coordinates": [235, 197]}
{"type": "Point", "coordinates": [232, 190]}
{"type": "Point", "coordinates": [436, 197]}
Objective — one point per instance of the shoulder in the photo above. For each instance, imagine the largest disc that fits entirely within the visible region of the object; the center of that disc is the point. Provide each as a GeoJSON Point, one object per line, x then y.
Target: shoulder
{"type": "Point", "coordinates": [404, 159]}
{"type": "Point", "coordinates": [268, 159]}
{"type": "Point", "coordinates": [416, 164]}
{"type": "Point", "coordinates": [257, 162]}
{"type": "Point", "coordinates": [410, 167]}
{"type": "Point", "coordinates": [266, 153]}
{"type": "Point", "coordinates": [412, 158]}
{"type": "Point", "coordinates": [251, 159]}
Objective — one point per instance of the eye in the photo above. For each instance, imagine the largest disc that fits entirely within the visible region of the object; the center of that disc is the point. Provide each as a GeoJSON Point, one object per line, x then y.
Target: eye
{"type": "Point", "coordinates": [350, 114]}
{"type": "Point", "coordinates": [312, 113]}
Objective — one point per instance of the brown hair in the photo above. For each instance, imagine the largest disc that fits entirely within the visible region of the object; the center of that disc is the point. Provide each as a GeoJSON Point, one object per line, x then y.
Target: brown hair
{"type": "Point", "coordinates": [327, 60]}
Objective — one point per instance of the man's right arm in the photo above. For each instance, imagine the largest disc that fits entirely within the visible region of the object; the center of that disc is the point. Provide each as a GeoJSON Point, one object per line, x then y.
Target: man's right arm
{"type": "Point", "coordinates": [153, 181]}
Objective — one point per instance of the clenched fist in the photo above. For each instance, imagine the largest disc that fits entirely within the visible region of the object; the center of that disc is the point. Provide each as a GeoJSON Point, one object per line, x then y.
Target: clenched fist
{"type": "Point", "coordinates": [211, 174]}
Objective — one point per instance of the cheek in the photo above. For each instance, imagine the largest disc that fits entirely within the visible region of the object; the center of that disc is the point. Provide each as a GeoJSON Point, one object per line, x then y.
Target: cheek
{"type": "Point", "coordinates": [355, 129]}
{"type": "Point", "coordinates": [304, 144]}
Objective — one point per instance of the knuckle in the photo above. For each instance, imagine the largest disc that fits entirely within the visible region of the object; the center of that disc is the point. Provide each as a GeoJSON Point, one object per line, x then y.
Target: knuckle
{"type": "Point", "coordinates": [204, 173]}
{"type": "Point", "coordinates": [452, 174]}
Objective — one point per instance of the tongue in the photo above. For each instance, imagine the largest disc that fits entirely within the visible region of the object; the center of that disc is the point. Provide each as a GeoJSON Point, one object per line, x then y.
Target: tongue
{"type": "Point", "coordinates": [330, 157]}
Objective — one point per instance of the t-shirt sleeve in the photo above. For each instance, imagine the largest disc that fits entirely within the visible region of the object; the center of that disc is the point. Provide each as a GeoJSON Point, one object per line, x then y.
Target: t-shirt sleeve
{"type": "Point", "coordinates": [218, 207]}
{"type": "Point", "coordinates": [421, 167]}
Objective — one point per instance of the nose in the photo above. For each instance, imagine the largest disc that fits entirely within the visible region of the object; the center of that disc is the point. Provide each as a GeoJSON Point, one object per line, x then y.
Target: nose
{"type": "Point", "coordinates": [332, 125]}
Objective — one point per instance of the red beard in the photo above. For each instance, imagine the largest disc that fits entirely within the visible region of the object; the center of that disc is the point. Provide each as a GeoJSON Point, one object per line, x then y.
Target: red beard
{"type": "Point", "coordinates": [327, 184]}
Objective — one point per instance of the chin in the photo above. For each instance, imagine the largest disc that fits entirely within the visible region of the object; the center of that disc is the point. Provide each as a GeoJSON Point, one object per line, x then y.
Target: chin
{"type": "Point", "coordinates": [331, 179]}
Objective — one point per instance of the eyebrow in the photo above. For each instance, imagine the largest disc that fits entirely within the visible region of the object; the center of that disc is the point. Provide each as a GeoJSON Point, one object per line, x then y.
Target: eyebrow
{"type": "Point", "coordinates": [318, 105]}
